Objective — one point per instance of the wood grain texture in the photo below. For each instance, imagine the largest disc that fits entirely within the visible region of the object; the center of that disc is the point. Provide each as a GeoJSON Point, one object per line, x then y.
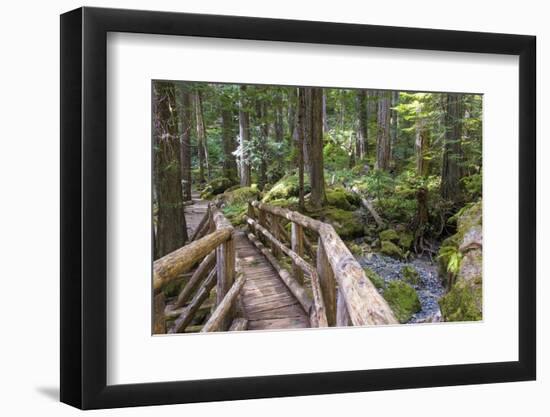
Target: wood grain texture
{"type": "Point", "coordinates": [267, 302]}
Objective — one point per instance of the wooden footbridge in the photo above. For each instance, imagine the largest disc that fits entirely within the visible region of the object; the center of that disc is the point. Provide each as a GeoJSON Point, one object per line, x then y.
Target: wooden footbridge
{"type": "Point", "coordinates": [267, 277]}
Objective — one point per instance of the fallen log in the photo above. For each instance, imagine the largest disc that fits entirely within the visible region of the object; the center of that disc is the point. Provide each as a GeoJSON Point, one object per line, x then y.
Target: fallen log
{"type": "Point", "coordinates": [368, 205]}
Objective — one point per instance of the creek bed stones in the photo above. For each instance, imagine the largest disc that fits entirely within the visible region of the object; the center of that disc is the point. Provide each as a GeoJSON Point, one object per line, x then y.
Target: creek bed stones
{"type": "Point", "coordinates": [428, 285]}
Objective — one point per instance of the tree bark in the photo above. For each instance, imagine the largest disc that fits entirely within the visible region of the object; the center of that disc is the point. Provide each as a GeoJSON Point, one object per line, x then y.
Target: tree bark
{"type": "Point", "coordinates": [244, 137]}
{"type": "Point", "coordinates": [229, 162]}
{"type": "Point", "coordinates": [187, 125]}
{"type": "Point", "coordinates": [452, 149]}
{"type": "Point", "coordinates": [171, 230]}
{"type": "Point", "coordinates": [317, 175]}
{"type": "Point", "coordinates": [383, 142]}
{"type": "Point", "coordinates": [201, 138]}
{"type": "Point", "coordinates": [301, 133]}
{"type": "Point", "coordinates": [421, 144]}
{"type": "Point", "coordinates": [362, 125]}
{"type": "Point", "coordinates": [261, 116]}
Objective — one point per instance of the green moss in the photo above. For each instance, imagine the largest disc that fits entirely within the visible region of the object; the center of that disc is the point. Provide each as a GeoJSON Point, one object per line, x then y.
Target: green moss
{"type": "Point", "coordinates": [346, 223]}
{"type": "Point", "coordinates": [405, 240]}
{"type": "Point", "coordinates": [462, 303]}
{"type": "Point", "coordinates": [341, 198]}
{"type": "Point", "coordinates": [241, 195]}
{"type": "Point", "coordinates": [391, 249]}
{"type": "Point", "coordinates": [402, 299]}
{"type": "Point", "coordinates": [410, 275]}
{"type": "Point", "coordinates": [215, 187]}
{"type": "Point", "coordinates": [390, 235]}
{"type": "Point", "coordinates": [376, 279]}
{"type": "Point", "coordinates": [285, 188]}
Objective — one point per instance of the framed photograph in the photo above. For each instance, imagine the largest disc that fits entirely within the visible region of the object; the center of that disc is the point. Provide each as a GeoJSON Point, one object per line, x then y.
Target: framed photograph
{"type": "Point", "coordinates": [256, 208]}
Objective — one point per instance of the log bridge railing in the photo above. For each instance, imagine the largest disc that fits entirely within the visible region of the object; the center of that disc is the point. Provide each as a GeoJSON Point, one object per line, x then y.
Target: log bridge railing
{"type": "Point", "coordinates": [342, 295]}
{"type": "Point", "coordinates": [212, 248]}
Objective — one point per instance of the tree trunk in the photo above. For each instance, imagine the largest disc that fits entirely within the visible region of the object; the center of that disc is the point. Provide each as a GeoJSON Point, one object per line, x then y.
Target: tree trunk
{"type": "Point", "coordinates": [244, 135]}
{"type": "Point", "coordinates": [362, 125]}
{"type": "Point", "coordinates": [261, 116]}
{"type": "Point", "coordinates": [421, 144]}
{"type": "Point", "coordinates": [383, 143]}
{"type": "Point", "coordinates": [452, 149]}
{"type": "Point", "coordinates": [307, 128]}
{"type": "Point", "coordinates": [317, 175]}
{"type": "Point", "coordinates": [393, 125]}
{"type": "Point", "coordinates": [201, 139]}
{"type": "Point", "coordinates": [229, 163]}
{"type": "Point", "coordinates": [187, 125]}
{"type": "Point", "coordinates": [325, 121]}
{"type": "Point", "coordinates": [372, 97]}
{"type": "Point", "coordinates": [301, 132]}
{"type": "Point", "coordinates": [171, 228]}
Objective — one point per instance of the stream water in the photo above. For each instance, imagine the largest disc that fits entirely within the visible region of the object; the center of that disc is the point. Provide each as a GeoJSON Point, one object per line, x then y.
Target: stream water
{"type": "Point", "coordinates": [429, 289]}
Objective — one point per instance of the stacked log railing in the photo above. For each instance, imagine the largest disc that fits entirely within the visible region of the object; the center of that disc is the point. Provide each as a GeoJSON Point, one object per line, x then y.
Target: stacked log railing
{"type": "Point", "coordinates": [212, 248]}
{"type": "Point", "coordinates": [342, 294]}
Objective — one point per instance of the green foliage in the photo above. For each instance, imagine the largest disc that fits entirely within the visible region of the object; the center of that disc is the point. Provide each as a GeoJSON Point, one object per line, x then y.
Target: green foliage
{"type": "Point", "coordinates": [451, 257]}
{"type": "Point", "coordinates": [402, 299]}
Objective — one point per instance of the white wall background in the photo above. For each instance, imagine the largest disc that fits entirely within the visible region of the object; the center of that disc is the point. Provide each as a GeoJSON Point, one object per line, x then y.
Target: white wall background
{"type": "Point", "coordinates": [29, 209]}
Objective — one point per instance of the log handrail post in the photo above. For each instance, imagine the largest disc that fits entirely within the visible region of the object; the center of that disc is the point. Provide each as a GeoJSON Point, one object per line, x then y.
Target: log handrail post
{"type": "Point", "coordinates": [342, 316]}
{"type": "Point", "coordinates": [274, 220]}
{"type": "Point", "coordinates": [297, 245]}
{"type": "Point", "coordinates": [327, 283]}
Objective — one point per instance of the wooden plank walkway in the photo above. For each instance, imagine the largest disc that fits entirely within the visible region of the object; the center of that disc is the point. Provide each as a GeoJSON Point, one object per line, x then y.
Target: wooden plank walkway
{"type": "Point", "coordinates": [267, 302]}
{"type": "Point", "coordinates": [194, 213]}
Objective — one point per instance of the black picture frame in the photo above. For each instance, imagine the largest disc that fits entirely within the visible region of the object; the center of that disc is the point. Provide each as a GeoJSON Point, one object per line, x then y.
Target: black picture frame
{"type": "Point", "coordinates": [84, 207]}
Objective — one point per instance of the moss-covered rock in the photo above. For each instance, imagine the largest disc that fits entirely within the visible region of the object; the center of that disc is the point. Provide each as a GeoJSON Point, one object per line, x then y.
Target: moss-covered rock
{"type": "Point", "coordinates": [463, 302]}
{"type": "Point", "coordinates": [402, 299]}
{"type": "Point", "coordinates": [410, 275]}
{"type": "Point", "coordinates": [347, 224]}
{"type": "Point", "coordinates": [389, 235]}
{"type": "Point", "coordinates": [241, 195]}
{"type": "Point", "coordinates": [461, 263]}
{"type": "Point", "coordinates": [341, 198]}
{"type": "Point", "coordinates": [376, 279]}
{"type": "Point", "coordinates": [215, 187]}
{"type": "Point", "coordinates": [391, 249]}
{"type": "Point", "coordinates": [286, 187]}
